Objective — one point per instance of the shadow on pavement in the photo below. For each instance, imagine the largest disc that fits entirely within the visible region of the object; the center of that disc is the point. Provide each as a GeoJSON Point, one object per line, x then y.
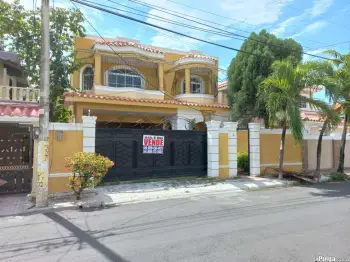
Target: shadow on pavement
{"type": "Point", "coordinates": [339, 189]}
{"type": "Point", "coordinates": [85, 237]}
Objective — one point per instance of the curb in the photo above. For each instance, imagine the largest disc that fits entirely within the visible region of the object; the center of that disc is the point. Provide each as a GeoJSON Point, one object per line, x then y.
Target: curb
{"type": "Point", "coordinates": [101, 205]}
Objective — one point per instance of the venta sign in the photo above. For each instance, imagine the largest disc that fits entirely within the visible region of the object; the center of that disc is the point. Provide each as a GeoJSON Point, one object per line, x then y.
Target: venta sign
{"type": "Point", "coordinates": [153, 144]}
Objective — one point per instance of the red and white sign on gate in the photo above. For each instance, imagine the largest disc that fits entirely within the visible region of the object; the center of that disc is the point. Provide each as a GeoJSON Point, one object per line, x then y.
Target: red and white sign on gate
{"type": "Point", "coordinates": [153, 144]}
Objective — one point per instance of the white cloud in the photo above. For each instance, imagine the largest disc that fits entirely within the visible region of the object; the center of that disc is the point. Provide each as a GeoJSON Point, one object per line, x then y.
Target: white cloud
{"type": "Point", "coordinates": [232, 14]}
{"type": "Point", "coordinates": [311, 28]}
{"type": "Point", "coordinates": [282, 27]}
{"type": "Point", "coordinates": [313, 52]}
{"type": "Point", "coordinates": [320, 7]}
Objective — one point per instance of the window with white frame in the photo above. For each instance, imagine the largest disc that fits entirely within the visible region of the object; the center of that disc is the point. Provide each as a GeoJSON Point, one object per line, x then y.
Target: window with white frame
{"type": "Point", "coordinates": [303, 104]}
{"type": "Point", "coordinates": [125, 78]}
{"type": "Point", "coordinates": [87, 78]}
{"type": "Point", "coordinates": [196, 85]}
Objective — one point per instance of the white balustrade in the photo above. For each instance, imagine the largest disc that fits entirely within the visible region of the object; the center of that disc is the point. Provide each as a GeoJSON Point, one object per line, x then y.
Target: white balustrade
{"type": "Point", "coordinates": [19, 93]}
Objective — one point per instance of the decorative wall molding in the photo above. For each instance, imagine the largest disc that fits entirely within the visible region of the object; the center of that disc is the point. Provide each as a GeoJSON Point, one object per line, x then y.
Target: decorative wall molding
{"type": "Point", "coordinates": [129, 89]}
{"type": "Point", "coordinates": [195, 60]}
{"type": "Point", "coordinates": [65, 126]}
{"type": "Point", "coordinates": [19, 119]}
{"type": "Point", "coordinates": [284, 164]}
{"type": "Point", "coordinates": [128, 49]}
{"type": "Point", "coordinates": [60, 175]}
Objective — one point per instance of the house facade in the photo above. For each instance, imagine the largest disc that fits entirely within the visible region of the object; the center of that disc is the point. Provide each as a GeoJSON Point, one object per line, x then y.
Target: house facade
{"type": "Point", "coordinates": [127, 84]}
{"type": "Point", "coordinates": [19, 115]}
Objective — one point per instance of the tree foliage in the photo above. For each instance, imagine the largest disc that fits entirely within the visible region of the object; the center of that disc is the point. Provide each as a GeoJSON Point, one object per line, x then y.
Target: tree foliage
{"type": "Point", "coordinates": [246, 72]}
{"type": "Point", "coordinates": [340, 81]}
{"type": "Point", "coordinates": [282, 93]}
{"type": "Point", "coordinates": [20, 28]}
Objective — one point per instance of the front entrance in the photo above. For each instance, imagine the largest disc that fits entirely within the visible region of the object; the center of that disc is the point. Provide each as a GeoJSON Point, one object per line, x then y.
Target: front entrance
{"type": "Point", "coordinates": [184, 153]}
{"type": "Point", "coordinates": [16, 161]}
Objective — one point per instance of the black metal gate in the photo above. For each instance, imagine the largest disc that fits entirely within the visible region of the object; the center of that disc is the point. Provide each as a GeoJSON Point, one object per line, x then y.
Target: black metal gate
{"type": "Point", "coordinates": [184, 154]}
{"type": "Point", "coordinates": [16, 159]}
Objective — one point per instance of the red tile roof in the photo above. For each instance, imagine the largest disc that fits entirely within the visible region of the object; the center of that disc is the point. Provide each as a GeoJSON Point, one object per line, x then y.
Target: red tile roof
{"type": "Point", "coordinates": [132, 44]}
{"type": "Point", "coordinates": [307, 115]}
{"type": "Point", "coordinates": [19, 109]}
{"type": "Point", "coordinates": [223, 84]}
{"type": "Point", "coordinates": [143, 100]}
{"type": "Point", "coordinates": [192, 55]}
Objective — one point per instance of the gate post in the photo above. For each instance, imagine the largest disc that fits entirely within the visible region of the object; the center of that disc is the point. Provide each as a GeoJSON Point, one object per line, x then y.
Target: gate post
{"type": "Point", "coordinates": [213, 148]}
{"type": "Point", "coordinates": [254, 148]}
{"type": "Point", "coordinates": [89, 133]}
{"type": "Point", "coordinates": [232, 148]}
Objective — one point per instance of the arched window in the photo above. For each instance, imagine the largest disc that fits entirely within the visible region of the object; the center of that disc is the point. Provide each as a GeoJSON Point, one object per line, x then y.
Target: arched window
{"type": "Point", "coordinates": [125, 77]}
{"type": "Point", "coordinates": [196, 85]}
{"type": "Point", "coordinates": [87, 78]}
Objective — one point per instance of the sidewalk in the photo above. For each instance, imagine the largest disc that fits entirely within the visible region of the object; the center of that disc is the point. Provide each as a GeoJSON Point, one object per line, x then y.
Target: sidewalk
{"type": "Point", "coordinates": [138, 192]}
{"type": "Point", "coordinates": [153, 191]}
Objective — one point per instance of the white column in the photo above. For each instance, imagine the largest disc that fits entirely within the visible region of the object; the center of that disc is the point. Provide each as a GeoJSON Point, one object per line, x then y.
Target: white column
{"type": "Point", "coordinates": [254, 148]}
{"type": "Point", "coordinates": [89, 133]}
{"type": "Point", "coordinates": [213, 148]}
{"type": "Point", "coordinates": [179, 123]}
{"type": "Point", "coordinates": [5, 78]}
{"type": "Point", "coordinates": [1, 74]}
{"type": "Point", "coordinates": [14, 81]}
{"type": "Point", "coordinates": [232, 147]}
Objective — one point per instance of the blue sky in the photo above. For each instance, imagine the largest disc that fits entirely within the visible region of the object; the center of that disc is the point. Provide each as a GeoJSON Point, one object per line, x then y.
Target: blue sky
{"type": "Point", "coordinates": [315, 24]}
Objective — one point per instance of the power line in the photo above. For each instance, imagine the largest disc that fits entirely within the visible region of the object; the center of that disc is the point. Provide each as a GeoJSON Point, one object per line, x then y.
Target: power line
{"type": "Point", "coordinates": [232, 19]}
{"type": "Point", "coordinates": [159, 18]}
{"type": "Point", "coordinates": [184, 16]}
{"type": "Point", "coordinates": [178, 14]}
{"type": "Point", "coordinates": [150, 29]}
{"type": "Point", "coordinates": [345, 42]}
{"type": "Point", "coordinates": [182, 34]}
{"type": "Point", "coordinates": [127, 63]}
{"type": "Point", "coordinates": [204, 11]}
{"type": "Point", "coordinates": [299, 9]}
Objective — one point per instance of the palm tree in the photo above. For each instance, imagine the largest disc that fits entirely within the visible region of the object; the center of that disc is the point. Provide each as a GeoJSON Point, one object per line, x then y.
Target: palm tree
{"type": "Point", "coordinates": [282, 91]}
{"type": "Point", "coordinates": [341, 79]}
{"type": "Point", "coordinates": [319, 74]}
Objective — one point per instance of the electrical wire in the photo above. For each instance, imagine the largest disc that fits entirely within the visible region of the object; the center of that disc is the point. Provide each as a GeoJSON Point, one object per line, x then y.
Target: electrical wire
{"type": "Point", "coordinates": [185, 104]}
{"type": "Point", "coordinates": [150, 29]}
{"type": "Point", "coordinates": [183, 16]}
{"type": "Point", "coordinates": [182, 34]}
{"type": "Point", "coordinates": [204, 11]}
{"type": "Point", "coordinates": [159, 18]}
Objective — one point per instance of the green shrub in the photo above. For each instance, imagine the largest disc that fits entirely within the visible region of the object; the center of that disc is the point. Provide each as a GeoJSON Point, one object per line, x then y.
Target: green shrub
{"type": "Point", "coordinates": [88, 169]}
{"type": "Point", "coordinates": [336, 176]}
{"type": "Point", "coordinates": [243, 161]}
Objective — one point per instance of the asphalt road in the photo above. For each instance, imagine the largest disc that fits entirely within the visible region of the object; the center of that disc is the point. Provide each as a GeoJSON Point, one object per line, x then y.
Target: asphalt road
{"type": "Point", "coordinates": [291, 224]}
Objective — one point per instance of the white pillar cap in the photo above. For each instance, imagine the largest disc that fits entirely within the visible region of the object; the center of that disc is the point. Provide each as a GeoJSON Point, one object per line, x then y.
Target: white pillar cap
{"type": "Point", "coordinates": [213, 125]}
{"type": "Point", "coordinates": [254, 126]}
{"type": "Point", "coordinates": [231, 126]}
{"type": "Point", "coordinates": [89, 119]}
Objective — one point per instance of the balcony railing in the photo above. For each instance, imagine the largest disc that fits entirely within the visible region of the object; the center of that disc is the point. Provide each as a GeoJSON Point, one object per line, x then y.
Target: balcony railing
{"type": "Point", "coordinates": [19, 93]}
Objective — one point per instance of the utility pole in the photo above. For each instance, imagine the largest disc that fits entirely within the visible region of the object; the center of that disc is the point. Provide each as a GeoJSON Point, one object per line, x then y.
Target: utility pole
{"type": "Point", "coordinates": [43, 145]}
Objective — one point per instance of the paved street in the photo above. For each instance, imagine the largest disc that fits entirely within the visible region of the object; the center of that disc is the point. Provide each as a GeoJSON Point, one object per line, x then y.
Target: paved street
{"type": "Point", "coordinates": [290, 224]}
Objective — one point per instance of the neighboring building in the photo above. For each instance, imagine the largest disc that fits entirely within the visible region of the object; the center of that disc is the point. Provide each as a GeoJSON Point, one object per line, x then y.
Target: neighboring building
{"type": "Point", "coordinates": [312, 119]}
{"type": "Point", "coordinates": [222, 93]}
{"type": "Point", "coordinates": [128, 84]}
{"type": "Point", "coordinates": [19, 111]}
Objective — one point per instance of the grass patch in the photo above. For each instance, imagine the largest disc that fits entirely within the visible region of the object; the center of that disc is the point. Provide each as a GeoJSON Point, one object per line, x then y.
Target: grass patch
{"type": "Point", "coordinates": [182, 178]}
{"type": "Point", "coordinates": [336, 176]}
{"type": "Point", "coordinates": [109, 183]}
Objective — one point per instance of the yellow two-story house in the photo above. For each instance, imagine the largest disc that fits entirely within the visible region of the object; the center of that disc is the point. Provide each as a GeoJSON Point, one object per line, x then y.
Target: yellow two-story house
{"type": "Point", "coordinates": [128, 84]}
